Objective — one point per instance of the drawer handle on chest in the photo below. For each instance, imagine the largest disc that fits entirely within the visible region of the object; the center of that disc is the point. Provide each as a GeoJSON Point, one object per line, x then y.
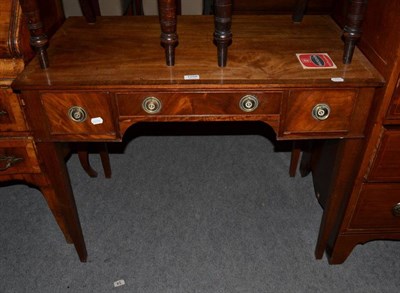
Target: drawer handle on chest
{"type": "Point", "coordinates": [248, 103]}
{"type": "Point", "coordinates": [152, 105]}
{"type": "Point", "coordinates": [77, 114]}
{"type": "Point", "coordinates": [321, 112]}
{"type": "Point", "coordinates": [3, 113]}
{"type": "Point", "coordinates": [396, 210]}
{"type": "Point", "coordinates": [8, 161]}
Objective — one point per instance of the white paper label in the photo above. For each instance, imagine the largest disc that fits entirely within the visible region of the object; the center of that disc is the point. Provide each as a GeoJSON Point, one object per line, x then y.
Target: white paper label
{"type": "Point", "coordinates": [97, 120]}
{"type": "Point", "coordinates": [191, 77]}
{"type": "Point", "coordinates": [119, 283]}
{"type": "Point", "coordinates": [337, 79]}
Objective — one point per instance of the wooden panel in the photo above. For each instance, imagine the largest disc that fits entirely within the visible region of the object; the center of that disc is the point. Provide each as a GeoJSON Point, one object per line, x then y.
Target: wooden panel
{"type": "Point", "coordinates": [96, 105]}
{"type": "Point", "coordinates": [386, 166]}
{"type": "Point", "coordinates": [394, 110]}
{"type": "Point", "coordinates": [6, 16]}
{"type": "Point", "coordinates": [17, 156]}
{"type": "Point", "coordinates": [300, 104]}
{"type": "Point", "coordinates": [14, 37]}
{"type": "Point", "coordinates": [375, 207]}
{"type": "Point", "coordinates": [279, 7]}
{"type": "Point", "coordinates": [380, 39]}
{"type": "Point", "coordinates": [383, 50]}
{"type": "Point", "coordinates": [199, 103]}
{"type": "Point", "coordinates": [11, 117]}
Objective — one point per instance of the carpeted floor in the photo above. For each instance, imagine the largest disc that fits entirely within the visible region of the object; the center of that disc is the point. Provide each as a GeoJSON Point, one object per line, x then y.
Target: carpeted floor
{"type": "Point", "coordinates": [185, 213]}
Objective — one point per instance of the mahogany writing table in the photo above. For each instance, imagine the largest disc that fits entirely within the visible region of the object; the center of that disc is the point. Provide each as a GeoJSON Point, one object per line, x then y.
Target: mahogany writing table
{"type": "Point", "coordinates": [107, 76]}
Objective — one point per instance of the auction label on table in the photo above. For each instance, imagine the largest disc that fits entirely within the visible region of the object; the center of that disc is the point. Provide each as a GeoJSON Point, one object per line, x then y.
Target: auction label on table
{"type": "Point", "coordinates": [315, 61]}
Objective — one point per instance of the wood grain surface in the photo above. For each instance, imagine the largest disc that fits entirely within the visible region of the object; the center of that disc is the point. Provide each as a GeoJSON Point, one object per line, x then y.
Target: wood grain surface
{"type": "Point", "coordinates": [126, 52]}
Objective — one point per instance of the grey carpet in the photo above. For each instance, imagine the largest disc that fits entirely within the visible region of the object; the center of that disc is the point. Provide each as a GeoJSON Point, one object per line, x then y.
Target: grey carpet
{"type": "Point", "coordinates": [192, 213]}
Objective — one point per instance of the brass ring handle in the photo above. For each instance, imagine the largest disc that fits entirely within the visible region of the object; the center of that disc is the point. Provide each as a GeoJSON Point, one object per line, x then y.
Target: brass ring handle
{"type": "Point", "coordinates": [77, 114]}
{"type": "Point", "coordinates": [396, 210]}
{"type": "Point", "coordinates": [151, 105]}
{"type": "Point", "coordinates": [3, 113]}
{"type": "Point", "coordinates": [8, 161]}
{"type": "Point", "coordinates": [248, 103]}
{"type": "Point", "coordinates": [321, 112]}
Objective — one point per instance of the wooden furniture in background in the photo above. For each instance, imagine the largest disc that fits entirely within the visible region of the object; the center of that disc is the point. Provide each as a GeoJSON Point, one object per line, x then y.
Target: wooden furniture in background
{"type": "Point", "coordinates": [19, 159]}
{"type": "Point", "coordinates": [373, 210]}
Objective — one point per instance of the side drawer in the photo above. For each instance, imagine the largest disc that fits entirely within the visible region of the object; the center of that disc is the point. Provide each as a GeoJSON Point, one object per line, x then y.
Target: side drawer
{"type": "Point", "coordinates": [79, 115]}
{"type": "Point", "coordinates": [183, 104]}
{"type": "Point", "coordinates": [11, 117]}
{"type": "Point", "coordinates": [378, 207]}
{"type": "Point", "coordinates": [323, 112]}
{"type": "Point", "coordinates": [386, 164]}
{"type": "Point", "coordinates": [18, 155]}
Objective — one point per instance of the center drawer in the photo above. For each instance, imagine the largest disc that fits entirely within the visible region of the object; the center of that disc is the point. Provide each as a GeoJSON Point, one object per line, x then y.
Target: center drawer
{"type": "Point", "coordinates": [181, 104]}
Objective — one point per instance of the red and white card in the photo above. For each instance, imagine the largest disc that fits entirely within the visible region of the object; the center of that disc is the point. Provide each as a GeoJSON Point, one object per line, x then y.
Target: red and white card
{"type": "Point", "coordinates": [315, 61]}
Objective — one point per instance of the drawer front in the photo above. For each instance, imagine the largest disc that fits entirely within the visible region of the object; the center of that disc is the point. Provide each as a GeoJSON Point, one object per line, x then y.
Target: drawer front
{"type": "Point", "coordinates": [183, 104]}
{"type": "Point", "coordinates": [11, 117]}
{"type": "Point", "coordinates": [326, 112]}
{"type": "Point", "coordinates": [18, 156]}
{"type": "Point", "coordinates": [79, 115]}
{"type": "Point", "coordinates": [386, 165]}
{"type": "Point", "coordinates": [378, 207]}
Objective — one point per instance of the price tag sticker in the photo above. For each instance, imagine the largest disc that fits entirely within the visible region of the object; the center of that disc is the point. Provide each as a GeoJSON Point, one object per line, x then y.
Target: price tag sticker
{"type": "Point", "coordinates": [119, 283]}
{"type": "Point", "coordinates": [191, 77]}
{"type": "Point", "coordinates": [337, 79]}
{"type": "Point", "coordinates": [97, 120]}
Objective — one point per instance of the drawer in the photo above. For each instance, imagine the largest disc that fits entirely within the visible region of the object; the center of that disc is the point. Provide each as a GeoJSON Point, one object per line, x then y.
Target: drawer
{"type": "Point", "coordinates": [386, 164]}
{"type": "Point", "coordinates": [11, 117]}
{"type": "Point", "coordinates": [181, 104]}
{"type": "Point", "coordinates": [18, 156]}
{"type": "Point", "coordinates": [326, 112]}
{"type": "Point", "coordinates": [378, 207]}
{"type": "Point", "coordinates": [76, 116]}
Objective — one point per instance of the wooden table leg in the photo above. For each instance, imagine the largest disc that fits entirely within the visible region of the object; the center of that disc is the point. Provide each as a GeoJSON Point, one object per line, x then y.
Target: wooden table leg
{"type": "Point", "coordinates": [169, 37]}
{"type": "Point", "coordinates": [39, 39]}
{"type": "Point", "coordinates": [83, 155]}
{"type": "Point", "coordinates": [222, 32]}
{"type": "Point", "coordinates": [348, 158]}
{"type": "Point", "coordinates": [352, 29]}
{"type": "Point", "coordinates": [59, 195]}
{"type": "Point", "coordinates": [105, 158]}
{"type": "Point", "coordinates": [299, 10]}
{"type": "Point", "coordinates": [294, 159]}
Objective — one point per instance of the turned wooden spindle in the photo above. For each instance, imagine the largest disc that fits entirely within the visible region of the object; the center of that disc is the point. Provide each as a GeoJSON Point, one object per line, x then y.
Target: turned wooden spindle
{"type": "Point", "coordinates": [222, 32]}
{"type": "Point", "coordinates": [169, 37]}
{"type": "Point", "coordinates": [38, 39]}
{"type": "Point", "coordinates": [90, 9]}
{"type": "Point", "coordinates": [352, 29]}
{"type": "Point", "coordinates": [299, 10]}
